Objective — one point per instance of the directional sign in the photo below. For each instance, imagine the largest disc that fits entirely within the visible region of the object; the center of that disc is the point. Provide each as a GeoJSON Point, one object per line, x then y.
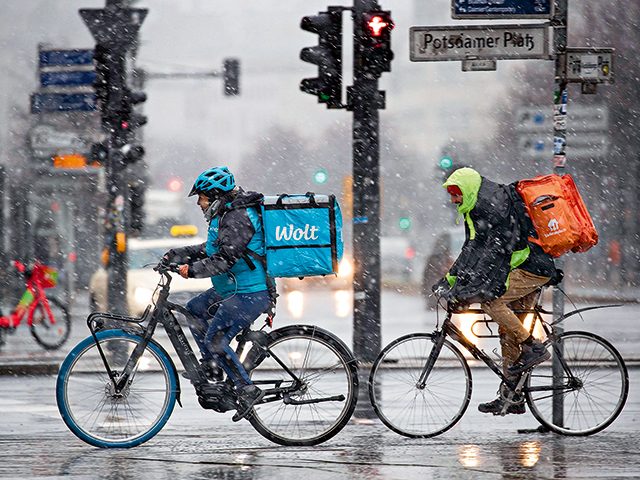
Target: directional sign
{"type": "Point", "coordinates": [49, 58]}
{"type": "Point", "coordinates": [593, 65]}
{"type": "Point", "coordinates": [63, 102]}
{"type": "Point", "coordinates": [583, 118]}
{"type": "Point", "coordinates": [486, 9]}
{"type": "Point", "coordinates": [579, 146]}
{"type": "Point", "coordinates": [432, 44]}
{"type": "Point", "coordinates": [67, 78]}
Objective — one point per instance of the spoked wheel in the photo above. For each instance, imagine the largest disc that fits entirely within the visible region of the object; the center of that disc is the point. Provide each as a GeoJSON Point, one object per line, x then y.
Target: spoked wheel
{"type": "Point", "coordinates": [90, 405]}
{"type": "Point", "coordinates": [48, 332]}
{"type": "Point", "coordinates": [594, 393]}
{"type": "Point", "coordinates": [405, 406]}
{"type": "Point", "coordinates": [322, 403]}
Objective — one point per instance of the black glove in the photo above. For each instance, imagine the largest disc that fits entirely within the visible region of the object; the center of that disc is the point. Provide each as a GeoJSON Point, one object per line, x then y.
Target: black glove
{"type": "Point", "coordinates": [556, 278]}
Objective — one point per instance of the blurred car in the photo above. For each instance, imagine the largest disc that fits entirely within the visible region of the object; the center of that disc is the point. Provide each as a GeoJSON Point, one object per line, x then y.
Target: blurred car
{"type": "Point", "coordinates": [142, 280]}
{"type": "Point", "coordinates": [396, 260]}
{"type": "Point", "coordinates": [444, 250]}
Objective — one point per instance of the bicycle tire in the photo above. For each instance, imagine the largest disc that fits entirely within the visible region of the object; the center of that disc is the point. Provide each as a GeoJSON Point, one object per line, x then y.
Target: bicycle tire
{"type": "Point", "coordinates": [91, 410]}
{"type": "Point", "coordinates": [404, 407]}
{"type": "Point", "coordinates": [594, 403]}
{"type": "Point", "coordinates": [51, 336]}
{"type": "Point", "coordinates": [327, 368]}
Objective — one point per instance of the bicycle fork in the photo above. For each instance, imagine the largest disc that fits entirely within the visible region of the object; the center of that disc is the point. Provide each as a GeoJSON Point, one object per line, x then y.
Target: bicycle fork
{"type": "Point", "coordinates": [431, 361]}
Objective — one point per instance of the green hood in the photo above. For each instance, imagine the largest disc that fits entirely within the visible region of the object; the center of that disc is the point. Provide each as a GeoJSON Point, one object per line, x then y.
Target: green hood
{"type": "Point", "coordinates": [469, 181]}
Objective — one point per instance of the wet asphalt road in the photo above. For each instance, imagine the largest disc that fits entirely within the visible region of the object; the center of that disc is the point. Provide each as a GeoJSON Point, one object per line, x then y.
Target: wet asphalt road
{"type": "Point", "coordinates": [195, 444]}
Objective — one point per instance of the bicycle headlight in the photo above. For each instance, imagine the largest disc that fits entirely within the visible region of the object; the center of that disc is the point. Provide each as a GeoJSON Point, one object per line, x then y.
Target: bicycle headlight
{"type": "Point", "coordinates": [142, 296]}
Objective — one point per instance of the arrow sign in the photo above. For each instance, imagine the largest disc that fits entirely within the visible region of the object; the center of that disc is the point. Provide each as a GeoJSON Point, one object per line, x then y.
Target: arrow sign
{"type": "Point", "coordinates": [63, 102]}
{"type": "Point", "coordinates": [114, 27]}
{"type": "Point", "coordinates": [67, 78]}
{"type": "Point", "coordinates": [501, 9]}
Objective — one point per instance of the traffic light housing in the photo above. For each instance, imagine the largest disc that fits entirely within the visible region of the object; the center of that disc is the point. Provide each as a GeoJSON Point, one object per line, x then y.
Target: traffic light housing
{"type": "Point", "coordinates": [231, 74]}
{"type": "Point", "coordinates": [101, 60]}
{"type": "Point", "coordinates": [376, 51]}
{"type": "Point", "coordinates": [99, 154]}
{"type": "Point", "coordinates": [327, 55]}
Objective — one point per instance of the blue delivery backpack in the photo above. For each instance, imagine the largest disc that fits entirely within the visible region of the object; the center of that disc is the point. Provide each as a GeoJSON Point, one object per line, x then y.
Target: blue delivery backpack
{"type": "Point", "coordinates": [303, 235]}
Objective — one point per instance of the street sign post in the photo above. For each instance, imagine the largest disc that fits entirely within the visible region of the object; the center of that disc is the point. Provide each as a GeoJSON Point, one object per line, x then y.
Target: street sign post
{"type": "Point", "coordinates": [485, 9]}
{"type": "Point", "coordinates": [63, 102]}
{"type": "Point", "coordinates": [484, 42]}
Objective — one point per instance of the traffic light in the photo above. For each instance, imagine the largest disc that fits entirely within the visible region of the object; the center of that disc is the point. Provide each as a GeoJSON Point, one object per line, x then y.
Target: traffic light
{"type": "Point", "coordinates": [376, 44]}
{"type": "Point", "coordinates": [445, 162]}
{"type": "Point", "coordinates": [101, 59]}
{"type": "Point", "coordinates": [327, 55]}
{"type": "Point", "coordinates": [99, 153]}
{"type": "Point", "coordinates": [132, 153]}
{"type": "Point", "coordinates": [320, 176]}
{"type": "Point", "coordinates": [404, 223]}
{"type": "Point", "coordinates": [231, 73]}
{"type": "Point", "coordinates": [128, 118]}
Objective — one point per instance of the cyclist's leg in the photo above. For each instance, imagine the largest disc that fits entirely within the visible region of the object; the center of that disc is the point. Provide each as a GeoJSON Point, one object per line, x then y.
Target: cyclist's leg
{"type": "Point", "coordinates": [203, 307]}
{"type": "Point", "coordinates": [233, 315]}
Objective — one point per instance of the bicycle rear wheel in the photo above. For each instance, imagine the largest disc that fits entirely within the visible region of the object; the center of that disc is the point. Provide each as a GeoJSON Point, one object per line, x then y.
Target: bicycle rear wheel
{"type": "Point", "coordinates": [91, 408]}
{"type": "Point", "coordinates": [51, 334]}
{"type": "Point", "coordinates": [592, 396]}
{"type": "Point", "coordinates": [399, 401]}
{"type": "Point", "coordinates": [324, 402]}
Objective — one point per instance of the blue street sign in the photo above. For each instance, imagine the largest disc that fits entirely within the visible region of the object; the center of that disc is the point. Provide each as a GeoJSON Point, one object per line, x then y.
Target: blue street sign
{"type": "Point", "coordinates": [63, 102]}
{"type": "Point", "coordinates": [501, 8]}
{"type": "Point", "coordinates": [67, 78]}
{"type": "Point", "coordinates": [50, 58]}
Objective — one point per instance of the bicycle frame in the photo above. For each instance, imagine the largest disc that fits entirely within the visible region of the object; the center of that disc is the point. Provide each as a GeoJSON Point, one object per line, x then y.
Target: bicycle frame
{"type": "Point", "coordinates": [36, 289]}
{"type": "Point", "coordinates": [451, 330]}
{"type": "Point", "coordinates": [163, 313]}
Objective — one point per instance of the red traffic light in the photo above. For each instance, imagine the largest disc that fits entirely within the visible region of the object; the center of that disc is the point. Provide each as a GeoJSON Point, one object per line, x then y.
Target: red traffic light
{"type": "Point", "coordinates": [378, 24]}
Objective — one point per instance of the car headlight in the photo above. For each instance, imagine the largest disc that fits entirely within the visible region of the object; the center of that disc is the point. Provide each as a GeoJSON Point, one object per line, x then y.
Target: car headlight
{"type": "Point", "coordinates": [345, 268]}
{"type": "Point", "coordinates": [142, 296]}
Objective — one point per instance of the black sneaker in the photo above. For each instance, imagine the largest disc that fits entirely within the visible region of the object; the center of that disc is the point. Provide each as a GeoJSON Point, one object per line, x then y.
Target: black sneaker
{"type": "Point", "coordinates": [530, 356]}
{"type": "Point", "coordinates": [495, 407]}
{"type": "Point", "coordinates": [248, 396]}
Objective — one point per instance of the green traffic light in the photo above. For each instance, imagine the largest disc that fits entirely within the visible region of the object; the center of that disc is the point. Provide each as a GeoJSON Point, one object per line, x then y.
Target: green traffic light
{"type": "Point", "coordinates": [446, 162]}
{"type": "Point", "coordinates": [321, 176]}
{"type": "Point", "coordinates": [404, 223]}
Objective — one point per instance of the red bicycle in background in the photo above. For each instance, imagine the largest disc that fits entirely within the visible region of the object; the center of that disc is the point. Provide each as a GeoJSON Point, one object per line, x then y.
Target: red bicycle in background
{"type": "Point", "coordinates": [47, 318]}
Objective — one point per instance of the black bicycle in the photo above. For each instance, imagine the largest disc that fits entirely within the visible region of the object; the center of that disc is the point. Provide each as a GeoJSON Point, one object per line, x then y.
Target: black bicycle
{"type": "Point", "coordinates": [420, 384]}
{"type": "Point", "coordinates": [118, 387]}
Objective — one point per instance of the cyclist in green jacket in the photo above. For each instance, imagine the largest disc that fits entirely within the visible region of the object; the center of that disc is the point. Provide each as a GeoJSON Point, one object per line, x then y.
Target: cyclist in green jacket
{"type": "Point", "coordinates": [496, 267]}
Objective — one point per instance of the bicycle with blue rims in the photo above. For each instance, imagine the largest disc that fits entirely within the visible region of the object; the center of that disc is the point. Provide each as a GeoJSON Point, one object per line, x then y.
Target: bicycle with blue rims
{"type": "Point", "coordinates": [119, 386]}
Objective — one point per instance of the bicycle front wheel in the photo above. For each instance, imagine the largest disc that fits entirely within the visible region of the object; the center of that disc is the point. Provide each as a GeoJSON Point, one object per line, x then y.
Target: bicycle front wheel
{"type": "Point", "coordinates": [405, 406]}
{"type": "Point", "coordinates": [591, 391]}
{"type": "Point", "coordinates": [317, 408]}
{"type": "Point", "coordinates": [49, 332]}
{"type": "Point", "coordinates": [95, 412]}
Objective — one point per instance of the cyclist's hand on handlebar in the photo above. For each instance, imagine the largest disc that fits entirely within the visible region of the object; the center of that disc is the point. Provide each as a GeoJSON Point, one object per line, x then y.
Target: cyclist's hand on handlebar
{"type": "Point", "coordinates": [183, 270]}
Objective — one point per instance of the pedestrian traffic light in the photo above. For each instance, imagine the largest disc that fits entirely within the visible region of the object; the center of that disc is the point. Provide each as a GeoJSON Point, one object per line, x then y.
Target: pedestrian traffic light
{"type": "Point", "coordinates": [376, 51]}
{"type": "Point", "coordinates": [327, 55]}
{"type": "Point", "coordinates": [231, 73]}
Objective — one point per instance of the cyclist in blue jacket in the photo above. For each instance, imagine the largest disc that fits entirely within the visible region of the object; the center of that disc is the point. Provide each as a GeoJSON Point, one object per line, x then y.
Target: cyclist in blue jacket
{"type": "Point", "coordinates": [240, 292]}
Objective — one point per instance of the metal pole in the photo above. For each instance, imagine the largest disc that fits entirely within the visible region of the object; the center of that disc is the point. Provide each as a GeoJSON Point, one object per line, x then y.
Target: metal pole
{"type": "Point", "coordinates": [364, 102]}
{"type": "Point", "coordinates": [560, 96]}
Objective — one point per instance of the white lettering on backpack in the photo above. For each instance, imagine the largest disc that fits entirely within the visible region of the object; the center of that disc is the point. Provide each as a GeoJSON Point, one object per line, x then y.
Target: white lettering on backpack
{"type": "Point", "coordinates": [289, 231]}
{"type": "Point", "coordinates": [554, 228]}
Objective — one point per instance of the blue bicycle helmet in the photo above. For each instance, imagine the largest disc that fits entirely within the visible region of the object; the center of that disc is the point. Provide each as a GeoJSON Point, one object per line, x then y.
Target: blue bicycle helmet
{"type": "Point", "coordinates": [213, 181]}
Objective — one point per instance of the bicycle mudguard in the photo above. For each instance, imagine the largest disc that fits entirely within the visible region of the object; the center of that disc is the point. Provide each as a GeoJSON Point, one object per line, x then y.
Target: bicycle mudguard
{"type": "Point", "coordinates": [580, 310]}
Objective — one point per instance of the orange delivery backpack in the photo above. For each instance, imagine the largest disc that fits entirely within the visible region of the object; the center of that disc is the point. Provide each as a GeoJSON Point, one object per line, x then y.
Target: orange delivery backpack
{"type": "Point", "coordinates": [558, 214]}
